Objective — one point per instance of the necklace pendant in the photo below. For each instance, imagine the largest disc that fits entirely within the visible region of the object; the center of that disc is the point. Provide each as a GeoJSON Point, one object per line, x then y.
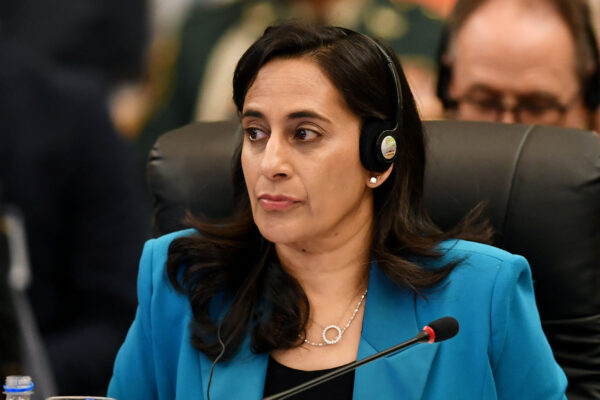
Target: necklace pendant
{"type": "Point", "coordinates": [335, 339]}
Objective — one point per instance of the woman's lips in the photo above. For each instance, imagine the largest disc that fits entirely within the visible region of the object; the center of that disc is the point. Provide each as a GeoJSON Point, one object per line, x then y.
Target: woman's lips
{"type": "Point", "coordinates": [276, 202]}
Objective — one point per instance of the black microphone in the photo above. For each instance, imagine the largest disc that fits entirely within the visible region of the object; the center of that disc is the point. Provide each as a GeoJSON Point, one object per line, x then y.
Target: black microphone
{"type": "Point", "coordinates": [437, 331]}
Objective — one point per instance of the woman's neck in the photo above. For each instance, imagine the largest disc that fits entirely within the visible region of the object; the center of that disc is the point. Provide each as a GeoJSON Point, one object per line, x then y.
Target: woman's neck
{"type": "Point", "coordinates": [333, 269]}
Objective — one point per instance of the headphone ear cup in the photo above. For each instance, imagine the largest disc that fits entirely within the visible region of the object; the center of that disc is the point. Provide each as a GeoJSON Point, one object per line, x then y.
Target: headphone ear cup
{"type": "Point", "coordinates": [371, 136]}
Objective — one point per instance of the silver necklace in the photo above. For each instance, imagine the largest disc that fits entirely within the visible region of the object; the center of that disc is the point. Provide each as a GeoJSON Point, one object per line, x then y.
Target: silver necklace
{"type": "Point", "coordinates": [340, 331]}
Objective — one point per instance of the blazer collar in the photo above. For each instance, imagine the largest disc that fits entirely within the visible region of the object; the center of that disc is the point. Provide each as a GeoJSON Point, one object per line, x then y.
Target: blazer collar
{"type": "Point", "coordinates": [390, 318]}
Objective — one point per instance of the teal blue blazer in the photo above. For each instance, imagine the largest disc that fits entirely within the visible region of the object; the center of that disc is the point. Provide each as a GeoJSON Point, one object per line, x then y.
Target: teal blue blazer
{"type": "Point", "coordinates": [500, 351]}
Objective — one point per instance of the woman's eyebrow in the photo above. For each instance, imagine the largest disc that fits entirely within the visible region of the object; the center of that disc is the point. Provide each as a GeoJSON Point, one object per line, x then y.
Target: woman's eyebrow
{"type": "Point", "coordinates": [293, 115]}
{"type": "Point", "coordinates": [252, 113]}
{"type": "Point", "coordinates": [307, 114]}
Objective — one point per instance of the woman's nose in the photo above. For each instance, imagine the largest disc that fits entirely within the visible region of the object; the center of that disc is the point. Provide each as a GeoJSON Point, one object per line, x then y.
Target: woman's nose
{"type": "Point", "coordinates": [275, 163]}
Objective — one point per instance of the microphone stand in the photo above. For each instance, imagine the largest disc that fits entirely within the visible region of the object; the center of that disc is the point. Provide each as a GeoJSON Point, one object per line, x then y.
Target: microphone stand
{"type": "Point", "coordinates": [422, 336]}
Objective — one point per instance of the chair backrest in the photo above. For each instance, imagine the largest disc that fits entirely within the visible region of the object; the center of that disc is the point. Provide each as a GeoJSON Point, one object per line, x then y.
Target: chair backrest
{"type": "Point", "coordinates": [541, 186]}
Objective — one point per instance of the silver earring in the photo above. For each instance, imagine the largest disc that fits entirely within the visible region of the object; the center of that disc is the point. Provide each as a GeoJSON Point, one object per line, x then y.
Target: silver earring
{"type": "Point", "coordinates": [373, 180]}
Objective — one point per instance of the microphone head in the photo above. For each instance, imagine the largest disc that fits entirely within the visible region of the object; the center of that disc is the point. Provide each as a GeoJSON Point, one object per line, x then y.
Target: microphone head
{"type": "Point", "coordinates": [443, 328]}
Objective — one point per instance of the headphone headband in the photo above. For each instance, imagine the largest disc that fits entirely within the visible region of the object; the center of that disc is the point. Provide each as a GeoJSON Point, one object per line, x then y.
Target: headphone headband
{"type": "Point", "coordinates": [392, 68]}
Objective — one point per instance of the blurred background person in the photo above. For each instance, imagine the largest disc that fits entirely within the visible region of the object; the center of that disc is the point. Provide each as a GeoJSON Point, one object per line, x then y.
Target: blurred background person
{"type": "Point", "coordinates": [73, 178]}
{"type": "Point", "coordinates": [530, 61]}
{"type": "Point", "coordinates": [105, 40]}
{"type": "Point", "coordinates": [215, 34]}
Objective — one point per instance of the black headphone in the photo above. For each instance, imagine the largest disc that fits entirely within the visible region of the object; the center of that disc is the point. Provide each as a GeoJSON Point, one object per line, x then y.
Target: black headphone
{"type": "Point", "coordinates": [378, 138]}
{"type": "Point", "coordinates": [590, 87]}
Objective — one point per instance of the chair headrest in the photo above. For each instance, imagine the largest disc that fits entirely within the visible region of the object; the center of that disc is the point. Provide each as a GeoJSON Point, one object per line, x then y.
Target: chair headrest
{"type": "Point", "coordinates": [189, 170]}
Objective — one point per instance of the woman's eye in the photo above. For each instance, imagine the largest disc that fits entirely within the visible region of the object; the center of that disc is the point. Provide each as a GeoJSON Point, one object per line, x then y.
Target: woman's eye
{"type": "Point", "coordinates": [306, 135]}
{"type": "Point", "coordinates": [255, 134]}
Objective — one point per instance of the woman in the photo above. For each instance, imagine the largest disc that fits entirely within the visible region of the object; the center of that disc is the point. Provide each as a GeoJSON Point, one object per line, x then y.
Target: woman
{"type": "Point", "coordinates": [330, 255]}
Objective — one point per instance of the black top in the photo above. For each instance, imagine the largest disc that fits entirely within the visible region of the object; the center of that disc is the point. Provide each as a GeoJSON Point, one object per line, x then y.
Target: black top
{"type": "Point", "coordinates": [280, 378]}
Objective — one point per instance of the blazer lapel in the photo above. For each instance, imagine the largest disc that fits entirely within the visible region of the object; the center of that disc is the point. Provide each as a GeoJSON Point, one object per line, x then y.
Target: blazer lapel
{"type": "Point", "coordinates": [242, 377]}
{"type": "Point", "coordinates": [390, 318]}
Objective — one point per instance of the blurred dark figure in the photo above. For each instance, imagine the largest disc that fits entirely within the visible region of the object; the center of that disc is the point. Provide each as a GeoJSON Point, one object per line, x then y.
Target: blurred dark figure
{"type": "Point", "coordinates": [102, 37]}
{"type": "Point", "coordinates": [64, 166]}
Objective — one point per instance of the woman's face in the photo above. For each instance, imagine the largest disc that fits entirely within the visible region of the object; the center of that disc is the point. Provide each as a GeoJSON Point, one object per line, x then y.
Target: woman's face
{"type": "Point", "coordinates": [300, 157]}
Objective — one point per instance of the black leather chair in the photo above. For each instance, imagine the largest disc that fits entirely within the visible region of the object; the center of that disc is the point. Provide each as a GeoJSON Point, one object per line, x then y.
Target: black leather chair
{"type": "Point", "coordinates": [541, 185]}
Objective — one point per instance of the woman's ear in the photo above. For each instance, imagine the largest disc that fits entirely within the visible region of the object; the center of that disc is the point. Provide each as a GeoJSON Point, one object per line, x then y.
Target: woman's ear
{"type": "Point", "coordinates": [376, 179]}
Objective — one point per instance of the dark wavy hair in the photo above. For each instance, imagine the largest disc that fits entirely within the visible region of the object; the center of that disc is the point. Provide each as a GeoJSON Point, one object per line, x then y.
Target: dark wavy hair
{"type": "Point", "coordinates": [231, 273]}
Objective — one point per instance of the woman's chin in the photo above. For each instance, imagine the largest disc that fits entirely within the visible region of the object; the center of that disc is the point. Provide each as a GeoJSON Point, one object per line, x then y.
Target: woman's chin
{"type": "Point", "coordinates": [279, 237]}
{"type": "Point", "coordinates": [280, 233]}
